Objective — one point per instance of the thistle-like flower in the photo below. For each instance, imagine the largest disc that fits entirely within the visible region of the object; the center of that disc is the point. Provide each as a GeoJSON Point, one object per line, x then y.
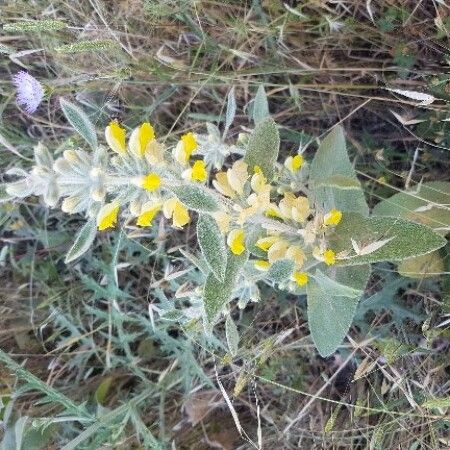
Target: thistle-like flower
{"type": "Point", "coordinates": [30, 91]}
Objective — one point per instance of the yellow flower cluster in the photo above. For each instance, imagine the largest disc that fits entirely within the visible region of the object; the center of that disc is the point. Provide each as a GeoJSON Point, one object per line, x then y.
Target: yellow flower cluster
{"type": "Point", "coordinates": [248, 198]}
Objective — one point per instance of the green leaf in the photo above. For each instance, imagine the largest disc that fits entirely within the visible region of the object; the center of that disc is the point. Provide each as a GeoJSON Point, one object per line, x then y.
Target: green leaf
{"type": "Point", "coordinates": [428, 204]}
{"type": "Point", "coordinates": [402, 239]}
{"type": "Point", "coordinates": [103, 389]}
{"type": "Point", "coordinates": [425, 266]}
{"type": "Point", "coordinates": [232, 335]}
{"type": "Point", "coordinates": [79, 121]}
{"type": "Point", "coordinates": [212, 245]}
{"type": "Point", "coordinates": [263, 147]}
{"type": "Point", "coordinates": [332, 301]}
{"type": "Point", "coordinates": [196, 198]}
{"type": "Point", "coordinates": [341, 182]}
{"type": "Point", "coordinates": [260, 106]}
{"type": "Point", "coordinates": [332, 178]}
{"type": "Point", "coordinates": [218, 293]}
{"type": "Point", "coordinates": [83, 241]}
{"type": "Point", "coordinates": [231, 111]}
{"type": "Point", "coordinates": [280, 270]}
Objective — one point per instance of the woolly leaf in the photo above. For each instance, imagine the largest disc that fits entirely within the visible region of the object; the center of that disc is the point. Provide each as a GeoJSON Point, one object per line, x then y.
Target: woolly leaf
{"type": "Point", "coordinates": [427, 204]}
{"type": "Point", "coordinates": [217, 294]}
{"type": "Point", "coordinates": [79, 121]}
{"type": "Point", "coordinates": [231, 111]}
{"type": "Point", "coordinates": [263, 147]}
{"type": "Point", "coordinates": [232, 335]}
{"type": "Point", "coordinates": [403, 239]}
{"type": "Point", "coordinates": [425, 266]}
{"type": "Point", "coordinates": [260, 106]}
{"type": "Point", "coordinates": [196, 198]}
{"type": "Point", "coordinates": [280, 270]}
{"type": "Point", "coordinates": [83, 241]}
{"type": "Point", "coordinates": [212, 245]}
{"type": "Point", "coordinates": [332, 301]}
{"type": "Point", "coordinates": [332, 178]}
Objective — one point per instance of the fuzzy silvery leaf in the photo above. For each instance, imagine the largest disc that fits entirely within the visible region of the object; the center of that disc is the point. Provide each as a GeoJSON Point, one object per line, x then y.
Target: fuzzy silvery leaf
{"type": "Point", "coordinates": [332, 300]}
{"type": "Point", "coordinates": [401, 238]}
{"type": "Point", "coordinates": [329, 168]}
{"type": "Point", "coordinates": [280, 270]}
{"type": "Point", "coordinates": [217, 294]}
{"type": "Point", "coordinates": [425, 266]}
{"type": "Point", "coordinates": [260, 106]}
{"type": "Point", "coordinates": [42, 156]}
{"type": "Point", "coordinates": [51, 193]}
{"type": "Point", "coordinates": [263, 147]}
{"type": "Point", "coordinates": [341, 182]}
{"type": "Point", "coordinates": [231, 111]}
{"type": "Point", "coordinates": [196, 198]}
{"type": "Point", "coordinates": [428, 203]}
{"type": "Point", "coordinates": [212, 245]}
{"type": "Point", "coordinates": [232, 335]}
{"type": "Point", "coordinates": [21, 188]}
{"type": "Point", "coordinates": [79, 121]}
{"type": "Point", "coordinates": [83, 241]}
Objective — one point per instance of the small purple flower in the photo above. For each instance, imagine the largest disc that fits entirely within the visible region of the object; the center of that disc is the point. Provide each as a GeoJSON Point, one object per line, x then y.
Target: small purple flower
{"type": "Point", "coordinates": [29, 91]}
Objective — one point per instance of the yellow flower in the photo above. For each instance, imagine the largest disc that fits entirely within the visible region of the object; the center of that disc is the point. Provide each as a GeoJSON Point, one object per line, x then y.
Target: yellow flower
{"type": "Point", "coordinates": [258, 181]}
{"type": "Point", "coordinates": [174, 209]}
{"type": "Point", "coordinates": [296, 254]}
{"type": "Point", "coordinates": [221, 184]}
{"type": "Point", "coordinates": [277, 250]}
{"type": "Point", "coordinates": [266, 242]}
{"type": "Point", "coordinates": [294, 163]}
{"type": "Point", "coordinates": [237, 176]}
{"type": "Point", "coordinates": [235, 241]}
{"type": "Point", "coordinates": [295, 208]}
{"type": "Point", "coordinates": [115, 137]}
{"type": "Point", "coordinates": [301, 278]}
{"type": "Point", "coordinates": [148, 213]}
{"type": "Point", "coordinates": [151, 182]}
{"type": "Point", "coordinates": [333, 217]}
{"type": "Point", "coordinates": [262, 265]}
{"type": "Point", "coordinates": [154, 152]}
{"type": "Point", "coordinates": [70, 203]}
{"type": "Point", "coordinates": [197, 172]}
{"type": "Point", "coordinates": [223, 220]}
{"type": "Point", "coordinates": [185, 147]}
{"type": "Point", "coordinates": [140, 138]}
{"type": "Point", "coordinates": [274, 211]}
{"type": "Point", "coordinates": [190, 143]}
{"type": "Point", "coordinates": [329, 257]}
{"type": "Point", "coordinates": [107, 216]}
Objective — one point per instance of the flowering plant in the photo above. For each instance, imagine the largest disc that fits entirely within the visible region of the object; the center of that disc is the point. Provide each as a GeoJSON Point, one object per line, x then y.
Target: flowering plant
{"type": "Point", "coordinates": [296, 225]}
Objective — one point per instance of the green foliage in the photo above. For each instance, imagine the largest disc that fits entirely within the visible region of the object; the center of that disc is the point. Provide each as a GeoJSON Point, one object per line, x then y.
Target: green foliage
{"type": "Point", "coordinates": [280, 270]}
{"type": "Point", "coordinates": [80, 122]}
{"type": "Point", "coordinates": [212, 245]}
{"type": "Point", "coordinates": [83, 241]}
{"type": "Point", "coordinates": [260, 106]}
{"type": "Point", "coordinates": [427, 204]}
{"type": "Point", "coordinates": [382, 239]}
{"type": "Point", "coordinates": [263, 147]}
{"type": "Point", "coordinates": [332, 301]}
{"type": "Point", "coordinates": [331, 175]}
{"type": "Point", "coordinates": [196, 198]}
{"type": "Point", "coordinates": [216, 293]}
{"type": "Point", "coordinates": [232, 335]}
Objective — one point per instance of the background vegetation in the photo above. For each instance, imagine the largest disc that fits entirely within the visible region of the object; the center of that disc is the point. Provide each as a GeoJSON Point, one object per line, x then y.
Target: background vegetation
{"type": "Point", "coordinates": [92, 355]}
